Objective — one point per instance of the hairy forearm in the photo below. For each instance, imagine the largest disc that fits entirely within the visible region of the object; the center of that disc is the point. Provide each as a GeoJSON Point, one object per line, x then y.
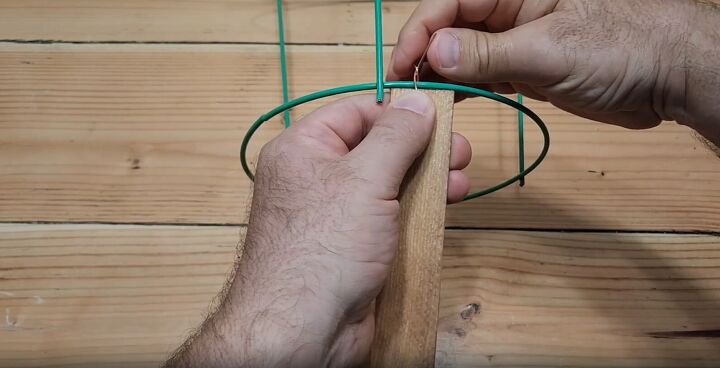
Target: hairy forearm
{"type": "Point", "coordinates": [268, 317]}
{"type": "Point", "coordinates": [698, 98]}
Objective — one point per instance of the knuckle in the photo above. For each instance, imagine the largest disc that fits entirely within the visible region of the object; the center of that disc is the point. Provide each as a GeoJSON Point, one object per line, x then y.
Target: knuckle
{"type": "Point", "coordinates": [268, 159]}
{"type": "Point", "coordinates": [270, 149]}
{"type": "Point", "coordinates": [480, 53]}
{"type": "Point", "coordinates": [266, 151]}
{"type": "Point", "coordinates": [278, 153]}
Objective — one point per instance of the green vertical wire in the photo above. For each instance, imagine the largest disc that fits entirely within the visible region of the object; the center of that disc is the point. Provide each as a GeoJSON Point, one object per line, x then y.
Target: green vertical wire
{"type": "Point", "coordinates": [521, 140]}
{"type": "Point", "coordinates": [379, 75]}
{"type": "Point", "coordinates": [283, 60]}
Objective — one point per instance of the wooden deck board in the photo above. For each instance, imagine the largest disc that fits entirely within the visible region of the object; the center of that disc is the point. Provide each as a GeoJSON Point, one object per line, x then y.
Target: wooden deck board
{"type": "Point", "coordinates": [151, 133]}
{"type": "Point", "coordinates": [236, 21]}
{"type": "Point", "coordinates": [119, 133]}
{"type": "Point", "coordinates": [117, 295]}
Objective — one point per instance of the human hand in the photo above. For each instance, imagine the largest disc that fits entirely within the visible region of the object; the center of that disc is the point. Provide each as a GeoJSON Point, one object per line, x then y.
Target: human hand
{"type": "Point", "coordinates": [322, 235]}
{"type": "Point", "coordinates": [632, 63]}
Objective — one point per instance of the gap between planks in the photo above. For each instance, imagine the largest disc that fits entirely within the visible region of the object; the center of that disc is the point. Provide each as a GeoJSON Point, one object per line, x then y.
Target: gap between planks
{"type": "Point", "coordinates": [447, 228]}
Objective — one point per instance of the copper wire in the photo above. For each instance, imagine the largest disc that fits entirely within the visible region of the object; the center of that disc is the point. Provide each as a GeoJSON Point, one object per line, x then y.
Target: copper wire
{"type": "Point", "coordinates": [419, 65]}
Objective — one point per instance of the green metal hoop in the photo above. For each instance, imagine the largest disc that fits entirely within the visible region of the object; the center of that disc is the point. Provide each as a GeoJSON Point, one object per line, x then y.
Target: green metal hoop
{"type": "Point", "coordinates": [421, 85]}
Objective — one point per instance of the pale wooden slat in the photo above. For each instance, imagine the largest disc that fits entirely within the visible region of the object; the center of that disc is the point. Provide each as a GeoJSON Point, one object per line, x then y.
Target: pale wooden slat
{"type": "Point", "coordinates": [151, 134]}
{"type": "Point", "coordinates": [198, 20]}
{"type": "Point", "coordinates": [405, 336]}
{"type": "Point", "coordinates": [103, 295]}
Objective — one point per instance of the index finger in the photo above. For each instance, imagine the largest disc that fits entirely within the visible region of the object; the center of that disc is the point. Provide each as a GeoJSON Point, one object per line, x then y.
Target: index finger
{"type": "Point", "coordinates": [428, 17]}
{"type": "Point", "coordinates": [433, 15]}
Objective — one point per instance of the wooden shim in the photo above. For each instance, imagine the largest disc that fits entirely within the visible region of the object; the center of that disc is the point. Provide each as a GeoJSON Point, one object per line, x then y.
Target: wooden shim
{"type": "Point", "coordinates": [150, 133]}
{"type": "Point", "coordinates": [407, 308]}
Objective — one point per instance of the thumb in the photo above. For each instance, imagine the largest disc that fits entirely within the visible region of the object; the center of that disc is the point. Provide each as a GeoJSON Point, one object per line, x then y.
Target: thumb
{"type": "Point", "coordinates": [525, 54]}
{"type": "Point", "coordinates": [395, 140]}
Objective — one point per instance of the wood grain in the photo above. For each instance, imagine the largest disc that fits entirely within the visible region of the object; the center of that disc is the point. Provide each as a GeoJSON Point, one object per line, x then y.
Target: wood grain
{"type": "Point", "coordinates": [237, 21]}
{"type": "Point", "coordinates": [150, 134]}
{"type": "Point", "coordinates": [97, 295]}
{"type": "Point", "coordinates": [405, 334]}
{"type": "Point", "coordinates": [579, 300]}
{"type": "Point", "coordinates": [125, 296]}
{"type": "Point", "coordinates": [208, 21]}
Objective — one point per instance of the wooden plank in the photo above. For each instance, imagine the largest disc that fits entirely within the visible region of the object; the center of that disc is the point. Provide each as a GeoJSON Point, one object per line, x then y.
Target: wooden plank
{"type": "Point", "coordinates": [150, 133]}
{"type": "Point", "coordinates": [579, 300]}
{"type": "Point", "coordinates": [91, 295]}
{"type": "Point", "coordinates": [239, 21]}
{"type": "Point", "coordinates": [121, 296]}
{"type": "Point", "coordinates": [405, 334]}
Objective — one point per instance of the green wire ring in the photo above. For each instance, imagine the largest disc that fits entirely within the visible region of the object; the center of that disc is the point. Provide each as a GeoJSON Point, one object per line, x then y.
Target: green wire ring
{"type": "Point", "coordinates": [421, 85]}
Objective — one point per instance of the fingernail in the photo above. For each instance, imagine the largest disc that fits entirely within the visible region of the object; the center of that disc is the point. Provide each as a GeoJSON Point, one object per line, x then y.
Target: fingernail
{"type": "Point", "coordinates": [448, 48]}
{"type": "Point", "coordinates": [414, 101]}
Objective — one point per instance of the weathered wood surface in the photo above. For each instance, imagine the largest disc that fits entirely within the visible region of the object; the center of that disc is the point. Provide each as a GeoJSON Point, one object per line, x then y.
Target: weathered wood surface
{"type": "Point", "coordinates": [405, 335]}
{"type": "Point", "coordinates": [98, 295]}
{"type": "Point", "coordinates": [150, 133]}
{"type": "Point", "coordinates": [199, 21]}
{"type": "Point", "coordinates": [579, 300]}
{"type": "Point", "coordinates": [237, 21]}
{"type": "Point", "coordinates": [125, 296]}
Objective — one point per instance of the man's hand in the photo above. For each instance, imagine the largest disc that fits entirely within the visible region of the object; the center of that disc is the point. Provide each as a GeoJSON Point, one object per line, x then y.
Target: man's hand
{"type": "Point", "coordinates": [633, 62]}
{"type": "Point", "coordinates": [323, 231]}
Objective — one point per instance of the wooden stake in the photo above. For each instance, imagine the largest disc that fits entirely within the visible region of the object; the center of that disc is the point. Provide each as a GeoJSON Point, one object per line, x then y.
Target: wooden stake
{"type": "Point", "coordinates": [407, 308]}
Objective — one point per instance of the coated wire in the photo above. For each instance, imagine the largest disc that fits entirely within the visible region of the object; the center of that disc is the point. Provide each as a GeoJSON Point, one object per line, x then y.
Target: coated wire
{"type": "Point", "coordinates": [379, 74]}
{"type": "Point", "coordinates": [521, 140]}
{"type": "Point", "coordinates": [283, 60]}
{"type": "Point", "coordinates": [379, 86]}
{"type": "Point", "coordinates": [407, 84]}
